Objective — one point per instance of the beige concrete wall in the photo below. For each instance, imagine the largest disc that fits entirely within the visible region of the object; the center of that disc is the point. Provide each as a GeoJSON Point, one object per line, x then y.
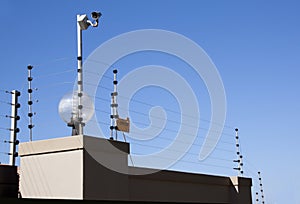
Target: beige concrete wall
{"type": "Point", "coordinates": [75, 171]}
{"type": "Point", "coordinates": [50, 169]}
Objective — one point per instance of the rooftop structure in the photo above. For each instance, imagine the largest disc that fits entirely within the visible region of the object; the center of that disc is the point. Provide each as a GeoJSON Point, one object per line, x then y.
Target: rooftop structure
{"type": "Point", "coordinates": [79, 167]}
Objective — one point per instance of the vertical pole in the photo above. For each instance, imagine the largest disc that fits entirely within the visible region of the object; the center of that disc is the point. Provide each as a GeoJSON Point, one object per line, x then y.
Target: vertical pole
{"type": "Point", "coordinates": [116, 116]}
{"type": "Point", "coordinates": [30, 102]}
{"type": "Point", "coordinates": [79, 77]}
{"type": "Point", "coordinates": [261, 188]}
{"type": "Point", "coordinates": [239, 156]}
{"type": "Point", "coordinates": [13, 127]}
{"type": "Point", "coordinates": [111, 117]}
{"type": "Point", "coordinates": [114, 112]}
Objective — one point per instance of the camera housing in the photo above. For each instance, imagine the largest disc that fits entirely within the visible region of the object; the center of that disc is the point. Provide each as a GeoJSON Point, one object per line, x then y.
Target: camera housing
{"type": "Point", "coordinates": [96, 15]}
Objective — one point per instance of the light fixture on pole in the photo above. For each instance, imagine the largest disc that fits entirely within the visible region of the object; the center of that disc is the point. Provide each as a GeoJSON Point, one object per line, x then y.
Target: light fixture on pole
{"type": "Point", "coordinates": [82, 24]}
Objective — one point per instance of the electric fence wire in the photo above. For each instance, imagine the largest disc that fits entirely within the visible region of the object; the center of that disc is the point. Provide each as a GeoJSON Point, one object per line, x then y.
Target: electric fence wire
{"type": "Point", "coordinates": [137, 101]}
{"type": "Point", "coordinates": [229, 160]}
{"type": "Point", "coordinates": [5, 102]}
{"type": "Point", "coordinates": [151, 105]}
{"type": "Point", "coordinates": [109, 89]}
{"type": "Point", "coordinates": [174, 131]}
{"type": "Point", "coordinates": [225, 162]}
{"type": "Point", "coordinates": [140, 113]}
{"type": "Point", "coordinates": [52, 74]}
{"type": "Point", "coordinates": [132, 100]}
{"type": "Point", "coordinates": [55, 74]}
{"type": "Point", "coordinates": [250, 170]}
{"type": "Point", "coordinates": [229, 152]}
{"type": "Point", "coordinates": [5, 91]}
{"type": "Point", "coordinates": [228, 149]}
{"type": "Point", "coordinates": [46, 87]}
{"type": "Point", "coordinates": [228, 143]}
{"type": "Point", "coordinates": [50, 63]}
{"type": "Point", "coordinates": [109, 77]}
{"type": "Point", "coordinates": [172, 121]}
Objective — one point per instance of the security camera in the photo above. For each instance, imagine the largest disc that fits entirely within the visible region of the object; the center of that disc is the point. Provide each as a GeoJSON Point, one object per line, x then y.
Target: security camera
{"type": "Point", "coordinates": [96, 15]}
{"type": "Point", "coordinates": [84, 22]}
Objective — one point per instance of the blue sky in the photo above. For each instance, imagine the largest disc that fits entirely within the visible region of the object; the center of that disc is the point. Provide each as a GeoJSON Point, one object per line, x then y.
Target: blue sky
{"type": "Point", "coordinates": [255, 46]}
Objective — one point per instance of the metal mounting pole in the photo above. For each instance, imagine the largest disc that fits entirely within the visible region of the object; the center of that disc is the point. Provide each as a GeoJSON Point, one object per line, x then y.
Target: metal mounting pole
{"type": "Point", "coordinates": [261, 188]}
{"type": "Point", "coordinates": [79, 77]}
{"type": "Point", "coordinates": [13, 127]}
{"type": "Point", "coordinates": [114, 105]}
{"type": "Point", "coordinates": [30, 102]}
{"type": "Point", "coordinates": [239, 156]}
{"type": "Point", "coordinates": [82, 24]}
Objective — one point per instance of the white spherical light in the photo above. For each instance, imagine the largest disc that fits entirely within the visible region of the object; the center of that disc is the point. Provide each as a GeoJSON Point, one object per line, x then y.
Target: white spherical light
{"type": "Point", "coordinates": [68, 107]}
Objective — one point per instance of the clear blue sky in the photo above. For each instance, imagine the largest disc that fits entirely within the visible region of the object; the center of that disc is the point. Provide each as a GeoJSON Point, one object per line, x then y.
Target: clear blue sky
{"type": "Point", "coordinates": [255, 45]}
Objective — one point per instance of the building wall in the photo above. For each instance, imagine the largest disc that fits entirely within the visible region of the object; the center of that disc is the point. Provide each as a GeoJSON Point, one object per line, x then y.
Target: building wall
{"type": "Point", "coordinates": [171, 186]}
{"type": "Point", "coordinates": [76, 172]}
{"type": "Point", "coordinates": [54, 174]}
{"type": "Point", "coordinates": [162, 186]}
{"type": "Point", "coordinates": [99, 181]}
{"type": "Point", "coordinates": [9, 181]}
